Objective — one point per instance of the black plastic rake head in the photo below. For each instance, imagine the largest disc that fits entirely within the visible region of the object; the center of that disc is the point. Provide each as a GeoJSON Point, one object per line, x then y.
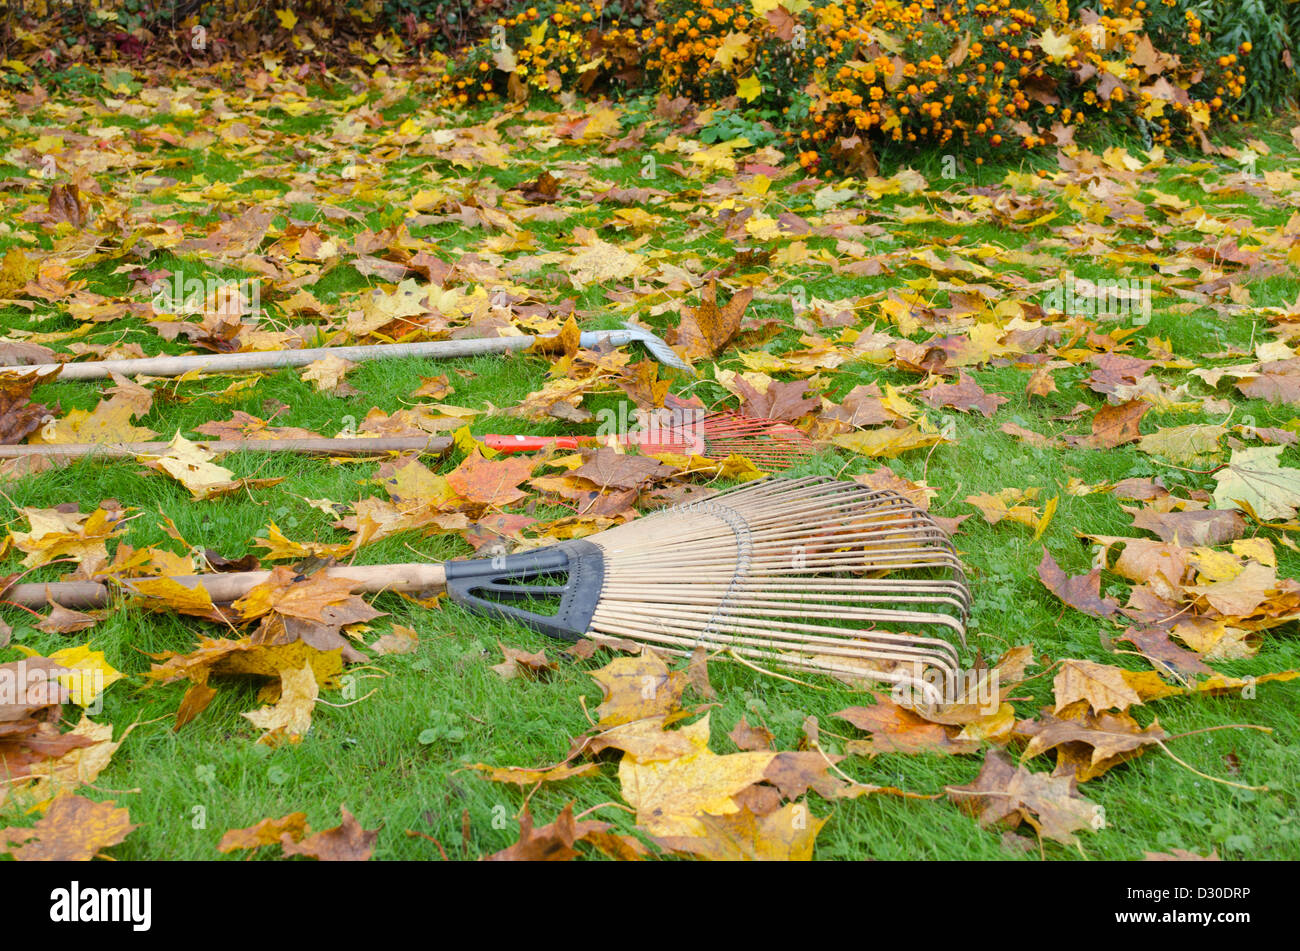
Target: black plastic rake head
{"type": "Point", "coordinates": [495, 586]}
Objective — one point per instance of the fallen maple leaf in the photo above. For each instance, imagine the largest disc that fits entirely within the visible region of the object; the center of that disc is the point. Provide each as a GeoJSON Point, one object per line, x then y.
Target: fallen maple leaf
{"type": "Point", "coordinates": [783, 401]}
{"type": "Point", "coordinates": [786, 835]}
{"type": "Point", "coordinates": [1007, 794]}
{"type": "Point", "coordinates": [637, 687]}
{"type": "Point", "coordinates": [609, 468]}
{"type": "Point", "coordinates": [290, 717]}
{"type": "Point", "coordinates": [400, 640]}
{"type": "Point", "coordinates": [521, 662]}
{"type": "Point", "coordinates": [1155, 645]}
{"type": "Point", "coordinates": [346, 842]}
{"type": "Point", "coordinates": [888, 442]}
{"type": "Point", "coordinates": [191, 465]}
{"type": "Point", "coordinates": [1187, 446]}
{"type": "Point", "coordinates": [73, 829]}
{"type": "Point", "coordinates": [1082, 592]}
{"type": "Point", "coordinates": [65, 205]}
{"type": "Point", "coordinates": [109, 421]}
{"type": "Point", "coordinates": [493, 482]}
{"type": "Point", "coordinates": [671, 796]}
{"type": "Point", "coordinates": [327, 375]}
{"type": "Point", "coordinates": [1087, 743]}
{"type": "Point", "coordinates": [1254, 480]}
{"type": "Point", "coordinates": [1207, 527]}
{"type": "Point", "coordinates": [895, 729]}
{"type": "Point", "coordinates": [550, 843]}
{"type": "Point", "coordinates": [648, 739]}
{"type": "Point", "coordinates": [705, 330]}
{"type": "Point", "coordinates": [62, 621]}
{"type": "Point", "coordinates": [1115, 425]}
{"type": "Point", "coordinates": [750, 738]}
{"type": "Point", "coordinates": [964, 395]}
{"type": "Point", "coordinates": [1102, 686]}
{"type": "Point", "coordinates": [19, 416]}
{"type": "Point", "coordinates": [266, 832]}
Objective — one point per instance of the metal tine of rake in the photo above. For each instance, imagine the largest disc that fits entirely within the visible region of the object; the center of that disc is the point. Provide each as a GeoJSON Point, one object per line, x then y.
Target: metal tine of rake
{"type": "Point", "coordinates": [727, 589]}
{"type": "Point", "coordinates": [915, 528]}
{"type": "Point", "coordinates": [808, 574]}
{"type": "Point", "coordinates": [768, 443]}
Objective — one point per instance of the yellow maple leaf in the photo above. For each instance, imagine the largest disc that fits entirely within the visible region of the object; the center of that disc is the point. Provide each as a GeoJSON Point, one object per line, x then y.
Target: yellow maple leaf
{"type": "Point", "coordinates": [290, 717]}
{"type": "Point", "coordinates": [327, 373]}
{"type": "Point", "coordinates": [191, 465]}
{"type": "Point", "coordinates": [1056, 47]}
{"type": "Point", "coordinates": [718, 157]}
{"type": "Point", "coordinates": [734, 46]}
{"type": "Point", "coordinates": [89, 674]}
{"type": "Point", "coordinates": [669, 797]}
{"type": "Point", "coordinates": [887, 442]}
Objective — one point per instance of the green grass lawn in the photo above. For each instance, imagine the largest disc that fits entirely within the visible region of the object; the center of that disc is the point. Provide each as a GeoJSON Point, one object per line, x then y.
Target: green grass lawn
{"type": "Point", "coordinates": [397, 758]}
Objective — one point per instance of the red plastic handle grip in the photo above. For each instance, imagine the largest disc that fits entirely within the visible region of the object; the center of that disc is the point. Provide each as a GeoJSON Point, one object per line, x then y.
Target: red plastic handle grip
{"type": "Point", "coordinates": [510, 444]}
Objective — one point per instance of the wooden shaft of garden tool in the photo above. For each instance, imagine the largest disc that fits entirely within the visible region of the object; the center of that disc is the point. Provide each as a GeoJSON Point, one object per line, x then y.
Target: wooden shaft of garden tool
{"type": "Point", "coordinates": [275, 359]}
{"type": "Point", "coordinates": [327, 447]}
{"type": "Point", "coordinates": [223, 587]}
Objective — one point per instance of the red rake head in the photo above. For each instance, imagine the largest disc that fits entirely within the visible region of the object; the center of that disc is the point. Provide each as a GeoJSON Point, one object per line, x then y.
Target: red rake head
{"type": "Point", "coordinates": [770, 444]}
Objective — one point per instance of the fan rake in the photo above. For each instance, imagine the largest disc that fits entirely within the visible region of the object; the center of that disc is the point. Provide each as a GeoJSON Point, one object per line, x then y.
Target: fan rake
{"type": "Point", "coordinates": [808, 574]}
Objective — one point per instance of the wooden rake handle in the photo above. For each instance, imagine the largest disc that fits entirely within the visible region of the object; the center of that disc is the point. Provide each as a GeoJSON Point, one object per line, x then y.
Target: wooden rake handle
{"type": "Point", "coordinates": [224, 587]}
{"type": "Point", "coordinates": [276, 359]}
{"type": "Point", "coordinates": [425, 445]}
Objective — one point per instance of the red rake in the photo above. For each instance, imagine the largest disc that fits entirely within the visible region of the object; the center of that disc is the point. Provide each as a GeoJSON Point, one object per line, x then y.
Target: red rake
{"type": "Point", "coordinates": [770, 444]}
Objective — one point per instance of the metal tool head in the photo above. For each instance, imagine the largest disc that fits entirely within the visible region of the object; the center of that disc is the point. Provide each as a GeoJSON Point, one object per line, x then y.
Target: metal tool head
{"type": "Point", "coordinates": [630, 333]}
{"type": "Point", "coordinates": [658, 347]}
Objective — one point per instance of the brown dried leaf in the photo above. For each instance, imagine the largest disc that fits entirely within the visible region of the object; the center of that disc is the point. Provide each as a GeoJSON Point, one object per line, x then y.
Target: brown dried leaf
{"type": "Point", "coordinates": [347, 842]}
{"type": "Point", "coordinates": [19, 416]}
{"type": "Point", "coordinates": [964, 395]}
{"type": "Point", "coordinates": [1102, 686]}
{"type": "Point", "coordinates": [73, 829]}
{"type": "Point", "coordinates": [1007, 794]}
{"type": "Point", "coordinates": [707, 329]}
{"type": "Point", "coordinates": [1082, 592]}
{"type": "Point", "coordinates": [266, 832]}
{"type": "Point", "coordinates": [1087, 744]}
{"type": "Point", "coordinates": [784, 401]}
{"type": "Point", "coordinates": [751, 738]}
{"type": "Point", "coordinates": [493, 482]}
{"type": "Point", "coordinates": [550, 843]}
{"type": "Point", "coordinates": [895, 729]}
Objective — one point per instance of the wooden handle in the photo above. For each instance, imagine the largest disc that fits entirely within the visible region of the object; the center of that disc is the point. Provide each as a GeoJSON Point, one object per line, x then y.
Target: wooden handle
{"type": "Point", "coordinates": [425, 445]}
{"type": "Point", "coordinates": [224, 587]}
{"type": "Point", "coordinates": [275, 359]}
